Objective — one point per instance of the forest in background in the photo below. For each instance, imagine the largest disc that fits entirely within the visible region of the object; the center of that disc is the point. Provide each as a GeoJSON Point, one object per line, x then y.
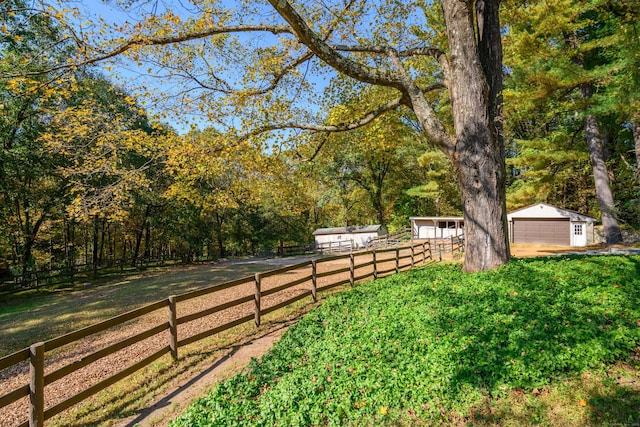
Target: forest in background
{"type": "Point", "coordinates": [89, 175]}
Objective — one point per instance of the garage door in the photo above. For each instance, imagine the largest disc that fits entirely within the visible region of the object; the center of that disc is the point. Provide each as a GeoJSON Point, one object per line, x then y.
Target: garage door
{"type": "Point", "coordinates": [542, 231]}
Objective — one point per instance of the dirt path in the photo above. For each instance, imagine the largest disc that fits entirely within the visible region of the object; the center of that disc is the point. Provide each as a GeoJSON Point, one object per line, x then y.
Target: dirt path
{"type": "Point", "coordinates": [81, 379]}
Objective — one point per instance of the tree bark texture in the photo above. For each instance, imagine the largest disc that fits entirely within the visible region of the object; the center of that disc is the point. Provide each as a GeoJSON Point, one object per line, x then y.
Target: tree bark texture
{"type": "Point", "coordinates": [612, 232]}
{"type": "Point", "coordinates": [477, 158]}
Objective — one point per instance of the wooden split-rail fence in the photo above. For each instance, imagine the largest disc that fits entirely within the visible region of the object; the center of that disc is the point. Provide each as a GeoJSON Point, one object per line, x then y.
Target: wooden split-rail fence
{"type": "Point", "coordinates": [447, 245]}
{"type": "Point", "coordinates": [378, 263]}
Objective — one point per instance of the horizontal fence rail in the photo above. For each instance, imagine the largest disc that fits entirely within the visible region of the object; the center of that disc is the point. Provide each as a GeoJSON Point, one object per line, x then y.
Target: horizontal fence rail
{"type": "Point", "coordinates": [307, 278]}
{"type": "Point", "coordinates": [60, 274]}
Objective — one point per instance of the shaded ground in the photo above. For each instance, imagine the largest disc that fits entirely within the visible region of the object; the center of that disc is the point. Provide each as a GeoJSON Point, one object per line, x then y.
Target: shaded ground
{"type": "Point", "coordinates": [43, 317]}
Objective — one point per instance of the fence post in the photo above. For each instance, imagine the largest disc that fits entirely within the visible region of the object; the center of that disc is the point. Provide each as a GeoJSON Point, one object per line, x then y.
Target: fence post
{"type": "Point", "coordinates": [257, 298]}
{"type": "Point", "coordinates": [375, 265]}
{"type": "Point", "coordinates": [451, 245]}
{"type": "Point", "coordinates": [397, 260]}
{"type": "Point", "coordinates": [173, 327]}
{"type": "Point", "coordinates": [412, 256]}
{"type": "Point", "coordinates": [352, 270]}
{"type": "Point", "coordinates": [314, 281]}
{"type": "Point", "coordinates": [36, 385]}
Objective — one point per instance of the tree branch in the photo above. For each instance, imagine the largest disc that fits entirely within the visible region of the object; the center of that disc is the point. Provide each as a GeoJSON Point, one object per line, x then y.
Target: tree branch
{"type": "Point", "coordinates": [278, 77]}
{"type": "Point", "coordinates": [342, 127]}
{"type": "Point", "coordinates": [329, 55]}
{"type": "Point", "coordinates": [162, 41]}
{"type": "Point", "coordinates": [417, 51]}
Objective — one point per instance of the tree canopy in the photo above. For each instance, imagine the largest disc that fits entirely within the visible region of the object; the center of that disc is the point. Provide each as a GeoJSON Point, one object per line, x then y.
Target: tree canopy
{"type": "Point", "coordinates": [292, 115]}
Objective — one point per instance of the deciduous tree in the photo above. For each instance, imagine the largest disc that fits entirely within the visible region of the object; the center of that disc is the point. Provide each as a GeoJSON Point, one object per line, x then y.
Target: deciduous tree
{"type": "Point", "coordinates": [252, 82]}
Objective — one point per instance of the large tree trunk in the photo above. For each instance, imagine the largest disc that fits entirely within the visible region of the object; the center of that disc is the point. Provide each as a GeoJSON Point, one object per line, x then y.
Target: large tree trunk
{"type": "Point", "coordinates": [477, 157]}
{"type": "Point", "coordinates": [490, 50]}
{"type": "Point", "coordinates": [612, 232]}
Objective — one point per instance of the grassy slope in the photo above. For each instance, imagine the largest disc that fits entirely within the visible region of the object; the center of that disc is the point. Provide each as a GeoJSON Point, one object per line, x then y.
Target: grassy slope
{"type": "Point", "coordinates": [435, 346]}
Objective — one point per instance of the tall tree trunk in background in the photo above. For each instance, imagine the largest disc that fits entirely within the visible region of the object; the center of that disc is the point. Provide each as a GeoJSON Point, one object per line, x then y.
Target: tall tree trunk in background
{"type": "Point", "coordinates": [139, 233]}
{"type": "Point", "coordinates": [379, 205]}
{"type": "Point", "coordinates": [636, 139]}
{"type": "Point", "coordinates": [147, 241]}
{"type": "Point", "coordinates": [30, 233]}
{"type": "Point", "coordinates": [124, 251]}
{"type": "Point", "coordinates": [103, 231]}
{"type": "Point", "coordinates": [612, 232]}
{"type": "Point", "coordinates": [219, 237]}
{"type": "Point", "coordinates": [478, 157]}
{"type": "Point", "coordinates": [71, 255]}
{"type": "Point", "coordinates": [94, 255]}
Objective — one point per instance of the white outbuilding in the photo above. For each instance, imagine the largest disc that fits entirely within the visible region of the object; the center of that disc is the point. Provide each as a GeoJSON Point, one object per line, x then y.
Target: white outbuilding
{"type": "Point", "coordinates": [351, 237]}
{"type": "Point", "coordinates": [547, 224]}
{"type": "Point", "coordinates": [436, 227]}
{"type": "Point", "coordinates": [538, 224]}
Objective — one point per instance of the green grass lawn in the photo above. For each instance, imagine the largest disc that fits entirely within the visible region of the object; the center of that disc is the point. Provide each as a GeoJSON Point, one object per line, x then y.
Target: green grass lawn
{"type": "Point", "coordinates": [538, 342]}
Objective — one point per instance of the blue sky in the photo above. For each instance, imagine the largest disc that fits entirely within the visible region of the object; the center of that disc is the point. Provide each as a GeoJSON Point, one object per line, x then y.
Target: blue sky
{"type": "Point", "coordinates": [128, 73]}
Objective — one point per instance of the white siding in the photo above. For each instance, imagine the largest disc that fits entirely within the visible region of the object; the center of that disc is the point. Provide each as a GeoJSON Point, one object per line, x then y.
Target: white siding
{"type": "Point", "coordinates": [426, 229]}
{"type": "Point", "coordinates": [542, 210]}
{"type": "Point", "coordinates": [359, 239]}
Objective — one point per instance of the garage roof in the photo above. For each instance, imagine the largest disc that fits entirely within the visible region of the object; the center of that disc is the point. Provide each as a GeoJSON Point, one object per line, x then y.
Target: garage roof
{"type": "Point", "coordinates": [352, 229]}
{"type": "Point", "coordinates": [544, 210]}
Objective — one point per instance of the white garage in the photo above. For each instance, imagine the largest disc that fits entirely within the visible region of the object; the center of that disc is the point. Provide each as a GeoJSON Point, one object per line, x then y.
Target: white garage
{"type": "Point", "coordinates": [538, 224]}
{"type": "Point", "coordinates": [546, 224]}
